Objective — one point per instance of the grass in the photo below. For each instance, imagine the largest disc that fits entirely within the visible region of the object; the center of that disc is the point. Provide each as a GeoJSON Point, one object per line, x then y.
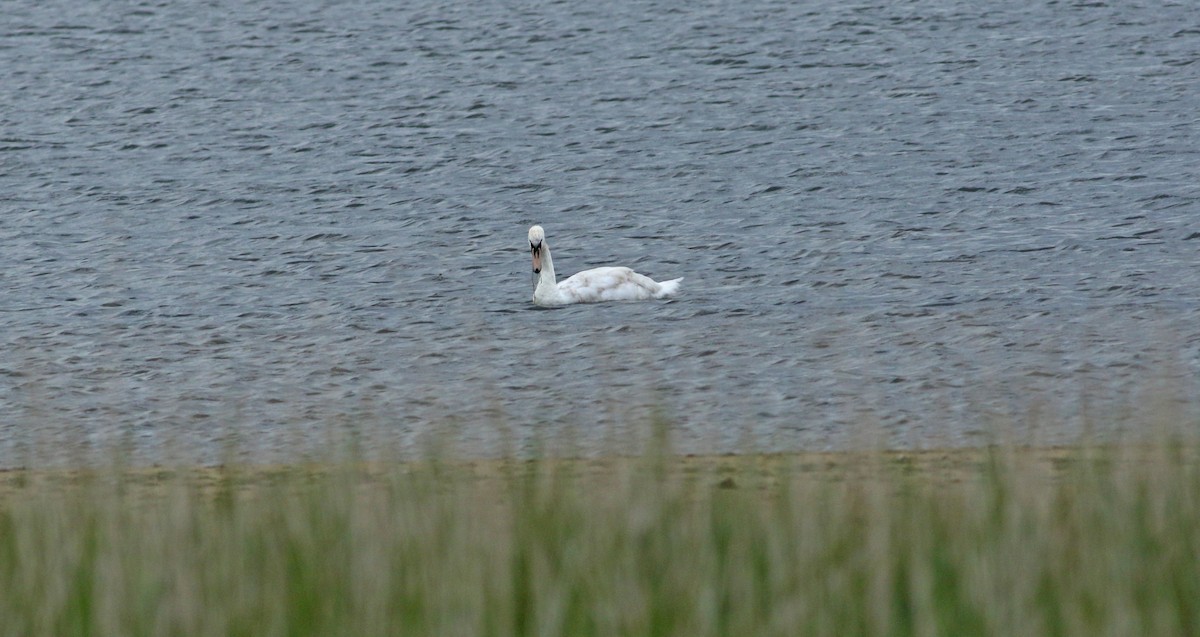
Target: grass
{"type": "Point", "coordinates": [997, 541]}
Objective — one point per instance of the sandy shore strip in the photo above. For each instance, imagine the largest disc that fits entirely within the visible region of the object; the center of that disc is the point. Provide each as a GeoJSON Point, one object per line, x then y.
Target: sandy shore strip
{"type": "Point", "coordinates": [732, 471]}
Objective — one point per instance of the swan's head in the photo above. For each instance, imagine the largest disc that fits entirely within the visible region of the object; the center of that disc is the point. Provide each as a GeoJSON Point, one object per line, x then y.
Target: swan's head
{"type": "Point", "coordinates": [537, 237]}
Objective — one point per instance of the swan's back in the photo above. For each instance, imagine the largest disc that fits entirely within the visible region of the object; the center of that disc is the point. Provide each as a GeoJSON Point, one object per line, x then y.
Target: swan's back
{"type": "Point", "coordinates": [615, 284]}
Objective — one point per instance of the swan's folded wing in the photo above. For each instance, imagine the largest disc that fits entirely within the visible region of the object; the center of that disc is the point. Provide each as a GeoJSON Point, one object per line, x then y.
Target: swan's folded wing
{"type": "Point", "coordinates": [608, 284]}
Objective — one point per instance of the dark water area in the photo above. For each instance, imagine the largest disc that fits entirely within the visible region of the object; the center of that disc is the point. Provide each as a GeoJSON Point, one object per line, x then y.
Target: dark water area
{"type": "Point", "coordinates": [914, 224]}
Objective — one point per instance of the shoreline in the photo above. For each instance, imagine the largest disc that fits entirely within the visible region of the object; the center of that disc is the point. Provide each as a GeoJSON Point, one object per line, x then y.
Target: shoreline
{"type": "Point", "coordinates": [725, 471]}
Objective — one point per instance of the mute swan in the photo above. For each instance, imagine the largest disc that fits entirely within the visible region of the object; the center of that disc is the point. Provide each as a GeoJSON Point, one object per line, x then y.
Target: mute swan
{"type": "Point", "coordinates": [589, 286]}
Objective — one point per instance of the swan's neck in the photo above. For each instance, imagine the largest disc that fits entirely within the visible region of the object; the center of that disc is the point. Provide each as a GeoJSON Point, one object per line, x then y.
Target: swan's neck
{"type": "Point", "coordinates": [545, 286]}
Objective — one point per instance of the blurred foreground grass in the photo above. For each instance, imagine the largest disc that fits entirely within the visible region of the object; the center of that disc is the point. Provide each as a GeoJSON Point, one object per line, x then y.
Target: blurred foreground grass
{"type": "Point", "coordinates": [1084, 541]}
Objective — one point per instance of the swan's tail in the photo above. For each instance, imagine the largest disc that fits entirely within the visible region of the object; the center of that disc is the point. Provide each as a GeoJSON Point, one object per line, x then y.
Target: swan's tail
{"type": "Point", "coordinates": [668, 288]}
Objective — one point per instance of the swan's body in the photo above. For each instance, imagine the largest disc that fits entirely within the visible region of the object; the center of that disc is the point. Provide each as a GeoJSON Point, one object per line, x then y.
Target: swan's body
{"type": "Point", "coordinates": [589, 286]}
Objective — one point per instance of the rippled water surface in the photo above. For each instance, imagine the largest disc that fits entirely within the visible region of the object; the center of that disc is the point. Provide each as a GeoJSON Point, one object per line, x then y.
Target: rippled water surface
{"type": "Point", "coordinates": [925, 222]}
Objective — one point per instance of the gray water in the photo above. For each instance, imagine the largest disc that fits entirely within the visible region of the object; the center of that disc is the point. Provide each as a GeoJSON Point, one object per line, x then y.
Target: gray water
{"type": "Point", "coordinates": [258, 224]}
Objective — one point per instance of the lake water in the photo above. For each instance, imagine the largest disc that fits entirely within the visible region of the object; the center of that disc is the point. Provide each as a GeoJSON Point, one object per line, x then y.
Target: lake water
{"type": "Point", "coordinates": [258, 225]}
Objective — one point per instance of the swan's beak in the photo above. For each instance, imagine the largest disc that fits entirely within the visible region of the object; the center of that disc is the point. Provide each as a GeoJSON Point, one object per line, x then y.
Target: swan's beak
{"type": "Point", "coordinates": [537, 257]}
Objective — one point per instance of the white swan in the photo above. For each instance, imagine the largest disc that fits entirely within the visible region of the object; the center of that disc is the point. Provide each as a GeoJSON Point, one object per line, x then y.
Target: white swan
{"type": "Point", "coordinates": [589, 286]}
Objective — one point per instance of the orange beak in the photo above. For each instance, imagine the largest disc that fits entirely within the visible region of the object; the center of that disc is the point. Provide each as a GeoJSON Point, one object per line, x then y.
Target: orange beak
{"type": "Point", "coordinates": [537, 258]}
